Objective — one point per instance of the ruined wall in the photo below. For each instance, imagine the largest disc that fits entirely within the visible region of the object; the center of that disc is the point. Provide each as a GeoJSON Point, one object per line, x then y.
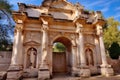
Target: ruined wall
{"type": "Point", "coordinates": [5, 58]}
{"type": "Point", "coordinates": [115, 63]}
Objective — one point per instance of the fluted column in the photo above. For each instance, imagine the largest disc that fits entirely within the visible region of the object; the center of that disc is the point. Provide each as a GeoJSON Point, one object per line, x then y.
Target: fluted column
{"type": "Point", "coordinates": [44, 44]}
{"type": "Point", "coordinates": [81, 45]}
{"type": "Point", "coordinates": [74, 56]}
{"type": "Point", "coordinates": [16, 66]}
{"type": "Point", "coordinates": [44, 71]}
{"type": "Point", "coordinates": [84, 70]}
{"type": "Point", "coordinates": [106, 69]}
{"type": "Point", "coordinates": [17, 54]}
{"type": "Point", "coordinates": [102, 48]}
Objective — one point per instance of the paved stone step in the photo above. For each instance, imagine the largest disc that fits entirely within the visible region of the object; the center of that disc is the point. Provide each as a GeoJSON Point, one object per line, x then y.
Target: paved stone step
{"type": "Point", "coordinates": [30, 79]}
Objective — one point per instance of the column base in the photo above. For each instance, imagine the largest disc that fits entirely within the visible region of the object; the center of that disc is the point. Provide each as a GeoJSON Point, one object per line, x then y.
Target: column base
{"type": "Point", "coordinates": [43, 73]}
{"type": "Point", "coordinates": [82, 71]}
{"type": "Point", "coordinates": [106, 70]}
{"type": "Point", "coordinates": [14, 72]}
{"type": "Point", "coordinates": [75, 72]}
{"type": "Point", "coordinates": [85, 73]}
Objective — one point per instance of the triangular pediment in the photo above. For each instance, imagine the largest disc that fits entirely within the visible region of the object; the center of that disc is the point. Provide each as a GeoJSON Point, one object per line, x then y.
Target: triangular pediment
{"type": "Point", "coordinates": [31, 43]}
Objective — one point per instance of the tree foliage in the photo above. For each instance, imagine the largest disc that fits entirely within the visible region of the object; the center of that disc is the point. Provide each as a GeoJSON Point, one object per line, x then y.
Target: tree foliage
{"type": "Point", "coordinates": [6, 25]}
{"type": "Point", "coordinates": [112, 37]}
{"type": "Point", "coordinates": [114, 51]}
{"type": "Point", "coordinates": [58, 47]}
{"type": "Point", "coordinates": [4, 5]}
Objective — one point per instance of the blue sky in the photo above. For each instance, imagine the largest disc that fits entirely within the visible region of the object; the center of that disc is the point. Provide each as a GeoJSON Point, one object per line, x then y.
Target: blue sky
{"type": "Point", "coordinates": [109, 8]}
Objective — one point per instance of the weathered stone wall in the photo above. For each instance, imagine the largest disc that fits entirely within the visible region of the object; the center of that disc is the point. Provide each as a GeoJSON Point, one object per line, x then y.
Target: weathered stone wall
{"type": "Point", "coordinates": [115, 63]}
{"type": "Point", "coordinates": [5, 58]}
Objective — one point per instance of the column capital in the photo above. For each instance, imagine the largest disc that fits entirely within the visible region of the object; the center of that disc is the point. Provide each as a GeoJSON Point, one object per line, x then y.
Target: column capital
{"type": "Point", "coordinates": [44, 24]}
{"type": "Point", "coordinates": [19, 27]}
{"type": "Point", "coordinates": [45, 27]}
{"type": "Point", "coordinates": [79, 27]}
{"type": "Point", "coordinates": [99, 30]}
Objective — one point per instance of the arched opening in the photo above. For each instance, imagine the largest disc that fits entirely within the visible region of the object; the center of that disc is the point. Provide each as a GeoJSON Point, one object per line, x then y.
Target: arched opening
{"type": "Point", "coordinates": [89, 57]}
{"type": "Point", "coordinates": [59, 47]}
{"type": "Point", "coordinates": [61, 56]}
{"type": "Point", "coordinates": [31, 58]}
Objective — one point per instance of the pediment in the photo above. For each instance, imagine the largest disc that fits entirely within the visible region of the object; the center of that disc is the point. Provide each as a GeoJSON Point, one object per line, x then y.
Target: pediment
{"type": "Point", "coordinates": [32, 43]}
{"type": "Point", "coordinates": [62, 4]}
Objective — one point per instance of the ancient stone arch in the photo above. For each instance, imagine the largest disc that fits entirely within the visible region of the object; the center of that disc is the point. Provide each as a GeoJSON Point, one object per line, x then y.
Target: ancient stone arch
{"type": "Point", "coordinates": [38, 27]}
{"type": "Point", "coordinates": [63, 60]}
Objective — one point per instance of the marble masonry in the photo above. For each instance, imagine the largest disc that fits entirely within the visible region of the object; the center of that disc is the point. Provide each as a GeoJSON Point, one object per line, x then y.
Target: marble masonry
{"type": "Point", "coordinates": [39, 27]}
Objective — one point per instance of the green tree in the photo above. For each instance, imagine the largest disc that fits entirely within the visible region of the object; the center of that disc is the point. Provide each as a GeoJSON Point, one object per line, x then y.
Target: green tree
{"type": "Point", "coordinates": [111, 32]}
{"type": "Point", "coordinates": [112, 37]}
{"type": "Point", "coordinates": [6, 25]}
{"type": "Point", "coordinates": [114, 51]}
{"type": "Point", "coordinates": [59, 47]}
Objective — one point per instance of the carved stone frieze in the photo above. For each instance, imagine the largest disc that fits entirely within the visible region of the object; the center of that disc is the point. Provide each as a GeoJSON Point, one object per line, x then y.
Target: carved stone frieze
{"type": "Point", "coordinates": [32, 36]}
{"type": "Point", "coordinates": [89, 39]}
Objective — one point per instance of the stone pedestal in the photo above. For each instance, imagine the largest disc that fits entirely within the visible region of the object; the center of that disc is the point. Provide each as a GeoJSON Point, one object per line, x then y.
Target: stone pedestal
{"type": "Point", "coordinates": [107, 70]}
{"type": "Point", "coordinates": [43, 75]}
{"type": "Point", "coordinates": [75, 72]}
{"type": "Point", "coordinates": [14, 73]}
{"type": "Point", "coordinates": [44, 72]}
{"type": "Point", "coordinates": [85, 73]}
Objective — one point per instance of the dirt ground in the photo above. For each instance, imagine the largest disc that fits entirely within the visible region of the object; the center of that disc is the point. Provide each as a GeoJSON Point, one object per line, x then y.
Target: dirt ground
{"type": "Point", "coordinates": [115, 77]}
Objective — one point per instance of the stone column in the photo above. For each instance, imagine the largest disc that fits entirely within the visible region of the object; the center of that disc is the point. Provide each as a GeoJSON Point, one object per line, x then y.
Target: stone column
{"type": "Point", "coordinates": [44, 72]}
{"type": "Point", "coordinates": [98, 58]}
{"type": "Point", "coordinates": [16, 65]}
{"type": "Point", "coordinates": [84, 71]}
{"type": "Point", "coordinates": [73, 56]}
{"type": "Point", "coordinates": [81, 46]}
{"type": "Point", "coordinates": [105, 68]}
{"type": "Point", "coordinates": [51, 59]}
{"type": "Point", "coordinates": [44, 46]}
{"type": "Point", "coordinates": [74, 61]}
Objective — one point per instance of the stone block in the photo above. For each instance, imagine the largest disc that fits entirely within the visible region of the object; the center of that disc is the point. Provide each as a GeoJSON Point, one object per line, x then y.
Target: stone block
{"type": "Point", "coordinates": [14, 75]}
{"type": "Point", "coordinates": [84, 73]}
{"type": "Point", "coordinates": [43, 75]}
{"type": "Point", "coordinates": [107, 71]}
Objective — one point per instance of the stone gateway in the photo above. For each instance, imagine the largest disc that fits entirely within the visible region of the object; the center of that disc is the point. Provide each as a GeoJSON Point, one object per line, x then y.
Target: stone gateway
{"type": "Point", "coordinates": [39, 27]}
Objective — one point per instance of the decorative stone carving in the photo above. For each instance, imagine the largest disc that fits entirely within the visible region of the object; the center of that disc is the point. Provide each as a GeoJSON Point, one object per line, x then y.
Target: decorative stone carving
{"type": "Point", "coordinates": [32, 36]}
{"type": "Point", "coordinates": [79, 27]}
{"type": "Point", "coordinates": [63, 24]}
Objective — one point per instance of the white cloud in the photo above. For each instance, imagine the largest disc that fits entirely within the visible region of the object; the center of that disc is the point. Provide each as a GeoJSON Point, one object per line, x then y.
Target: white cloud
{"type": "Point", "coordinates": [105, 9]}
{"type": "Point", "coordinates": [117, 16]}
{"type": "Point", "coordinates": [93, 4]}
{"type": "Point", "coordinates": [118, 8]}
